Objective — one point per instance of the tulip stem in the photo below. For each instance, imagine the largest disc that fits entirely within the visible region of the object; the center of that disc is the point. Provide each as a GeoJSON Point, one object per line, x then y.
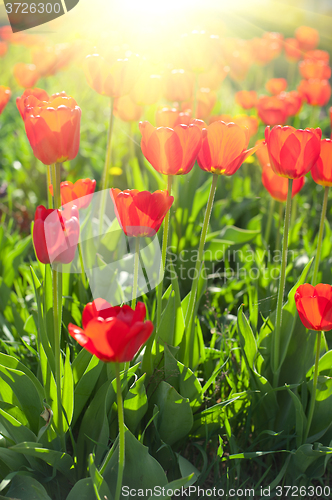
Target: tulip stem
{"type": "Point", "coordinates": [269, 221]}
{"type": "Point", "coordinates": [314, 387]}
{"type": "Point", "coordinates": [281, 208]}
{"type": "Point", "coordinates": [314, 116]}
{"type": "Point", "coordinates": [320, 236]}
{"type": "Point", "coordinates": [163, 256]}
{"type": "Point", "coordinates": [106, 172]}
{"type": "Point", "coordinates": [194, 285]}
{"type": "Point", "coordinates": [121, 433]}
{"type": "Point", "coordinates": [136, 262]}
{"type": "Point", "coordinates": [276, 333]}
{"type": "Point", "coordinates": [82, 265]}
{"type": "Point", "coordinates": [49, 181]}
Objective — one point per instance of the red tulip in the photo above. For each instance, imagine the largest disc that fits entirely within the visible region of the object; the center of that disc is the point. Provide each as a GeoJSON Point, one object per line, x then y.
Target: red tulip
{"type": "Point", "coordinates": [26, 74]}
{"type": "Point", "coordinates": [5, 94]}
{"type": "Point", "coordinates": [171, 152]}
{"type": "Point", "coordinates": [292, 152]}
{"type": "Point", "coordinates": [315, 92]}
{"type": "Point", "coordinates": [112, 333]}
{"type": "Point", "coordinates": [247, 99]}
{"type": "Point", "coordinates": [318, 55]}
{"type": "Point", "coordinates": [307, 37]}
{"type": "Point", "coordinates": [113, 80]}
{"type": "Point", "coordinates": [292, 49]}
{"type": "Point", "coordinates": [276, 85]}
{"type": "Point", "coordinates": [126, 109]}
{"type": "Point", "coordinates": [56, 234]}
{"type": "Point", "coordinates": [272, 110]}
{"type": "Point", "coordinates": [293, 102]}
{"type": "Point", "coordinates": [53, 128]}
{"type": "Point", "coordinates": [140, 213]}
{"type": "Point", "coordinates": [314, 305]}
{"type": "Point", "coordinates": [277, 186]}
{"type": "Point", "coordinates": [314, 69]}
{"type": "Point", "coordinates": [40, 94]}
{"type": "Point", "coordinates": [80, 193]}
{"type": "Point", "coordinates": [322, 170]}
{"type": "Point", "coordinates": [224, 148]}
{"type": "Point", "coordinates": [170, 117]}
{"type": "Point", "coordinates": [3, 49]}
{"type": "Point", "coordinates": [179, 85]}
{"type": "Point", "coordinates": [248, 122]}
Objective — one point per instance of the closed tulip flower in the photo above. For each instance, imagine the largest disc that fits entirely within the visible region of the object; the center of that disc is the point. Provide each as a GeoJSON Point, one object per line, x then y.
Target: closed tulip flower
{"type": "Point", "coordinates": [314, 305]}
{"type": "Point", "coordinates": [322, 170]}
{"type": "Point", "coordinates": [171, 151]}
{"type": "Point", "coordinates": [276, 85]}
{"type": "Point", "coordinates": [26, 75]}
{"type": "Point", "coordinates": [140, 213]}
{"type": "Point", "coordinates": [78, 193]}
{"type": "Point", "coordinates": [213, 78]}
{"type": "Point", "coordinates": [126, 109]}
{"type": "Point", "coordinates": [40, 94]}
{"type": "Point", "coordinates": [5, 94]}
{"type": "Point", "coordinates": [179, 85]}
{"type": "Point", "coordinates": [292, 49]}
{"type": "Point", "coordinates": [247, 99]}
{"type": "Point", "coordinates": [147, 90]}
{"type": "Point", "coordinates": [272, 110]}
{"type": "Point", "coordinates": [293, 102]}
{"type": "Point", "coordinates": [114, 80]}
{"type": "Point", "coordinates": [307, 37]}
{"type": "Point", "coordinates": [292, 152]}
{"type": "Point", "coordinates": [312, 68]}
{"type": "Point", "coordinates": [56, 234]}
{"type": "Point", "coordinates": [170, 117]}
{"type": "Point", "coordinates": [224, 148]}
{"type": "Point", "coordinates": [277, 186]}
{"type": "Point", "coordinates": [112, 334]}
{"type": "Point", "coordinates": [53, 128]}
{"type": "Point", "coordinates": [318, 55]}
{"type": "Point", "coordinates": [315, 92]}
{"type": "Point", "coordinates": [3, 49]}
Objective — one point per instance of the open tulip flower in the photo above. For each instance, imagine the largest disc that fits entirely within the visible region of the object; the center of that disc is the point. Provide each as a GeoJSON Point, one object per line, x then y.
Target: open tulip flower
{"type": "Point", "coordinates": [322, 170]}
{"type": "Point", "coordinates": [277, 186]}
{"type": "Point", "coordinates": [56, 234]}
{"type": "Point", "coordinates": [171, 151]}
{"type": "Point", "coordinates": [79, 193]}
{"type": "Point", "coordinates": [313, 68]}
{"type": "Point", "coordinates": [292, 152]}
{"type": "Point", "coordinates": [307, 37]}
{"type": "Point", "coordinates": [316, 92]}
{"type": "Point", "coordinates": [53, 127]}
{"type": "Point", "coordinates": [276, 85]}
{"type": "Point", "coordinates": [293, 102]}
{"type": "Point", "coordinates": [314, 305]}
{"type": "Point", "coordinates": [112, 333]}
{"type": "Point", "coordinates": [5, 94]}
{"type": "Point", "coordinates": [224, 148]}
{"type": "Point", "coordinates": [318, 55]}
{"type": "Point", "coordinates": [170, 117]}
{"type": "Point", "coordinates": [140, 213]}
{"type": "Point", "coordinates": [272, 110]}
{"type": "Point", "coordinates": [40, 94]}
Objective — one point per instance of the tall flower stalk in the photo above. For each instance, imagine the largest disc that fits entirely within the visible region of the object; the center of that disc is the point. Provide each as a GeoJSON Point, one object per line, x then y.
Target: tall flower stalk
{"type": "Point", "coordinates": [106, 173]}
{"type": "Point", "coordinates": [320, 237]}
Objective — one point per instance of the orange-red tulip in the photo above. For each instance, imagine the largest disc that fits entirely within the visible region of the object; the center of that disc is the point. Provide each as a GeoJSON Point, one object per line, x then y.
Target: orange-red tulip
{"type": "Point", "coordinates": [250, 122]}
{"type": "Point", "coordinates": [278, 186]}
{"type": "Point", "coordinates": [3, 49]}
{"type": "Point", "coordinates": [307, 37]}
{"type": "Point", "coordinates": [171, 152]}
{"type": "Point", "coordinates": [26, 74]}
{"type": "Point", "coordinates": [140, 213]}
{"type": "Point", "coordinates": [239, 58]}
{"type": "Point", "coordinates": [292, 49]}
{"type": "Point", "coordinates": [262, 153]}
{"type": "Point", "coordinates": [276, 42]}
{"type": "Point", "coordinates": [80, 193]}
{"type": "Point", "coordinates": [224, 148]}
{"type": "Point", "coordinates": [126, 109]}
{"type": "Point", "coordinates": [322, 170]}
{"type": "Point", "coordinates": [113, 80]}
{"type": "Point", "coordinates": [315, 92]}
{"type": "Point", "coordinates": [247, 99]}
{"type": "Point", "coordinates": [314, 305]}
{"type": "Point", "coordinates": [179, 85]}
{"type": "Point", "coordinates": [112, 334]}
{"type": "Point", "coordinates": [5, 94]}
{"type": "Point", "coordinates": [318, 55]}
{"type": "Point", "coordinates": [292, 152]}
{"type": "Point", "coordinates": [213, 78]}
{"type": "Point", "coordinates": [147, 90]}
{"type": "Point", "coordinates": [45, 59]}
{"type": "Point", "coordinates": [272, 110]}
{"type": "Point", "coordinates": [40, 94]}
{"type": "Point", "coordinates": [53, 127]}
{"type": "Point", "coordinates": [170, 117]}
{"type": "Point", "coordinates": [276, 85]}
{"type": "Point", "coordinates": [293, 102]}
{"type": "Point", "coordinates": [206, 100]}
{"type": "Point", "coordinates": [221, 118]}
{"type": "Point", "coordinates": [312, 68]}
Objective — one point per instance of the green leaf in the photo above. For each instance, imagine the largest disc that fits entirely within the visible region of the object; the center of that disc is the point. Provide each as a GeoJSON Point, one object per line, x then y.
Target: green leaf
{"type": "Point", "coordinates": [26, 488]}
{"type": "Point", "coordinates": [135, 404]}
{"type": "Point", "coordinates": [67, 391]}
{"type": "Point", "coordinates": [175, 417]}
{"type": "Point", "coordinates": [301, 420]}
{"type": "Point", "coordinates": [99, 484]}
{"type": "Point", "coordinates": [86, 382]}
{"type": "Point", "coordinates": [167, 323]}
{"type": "Point", "coordinates": [83, 490]}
